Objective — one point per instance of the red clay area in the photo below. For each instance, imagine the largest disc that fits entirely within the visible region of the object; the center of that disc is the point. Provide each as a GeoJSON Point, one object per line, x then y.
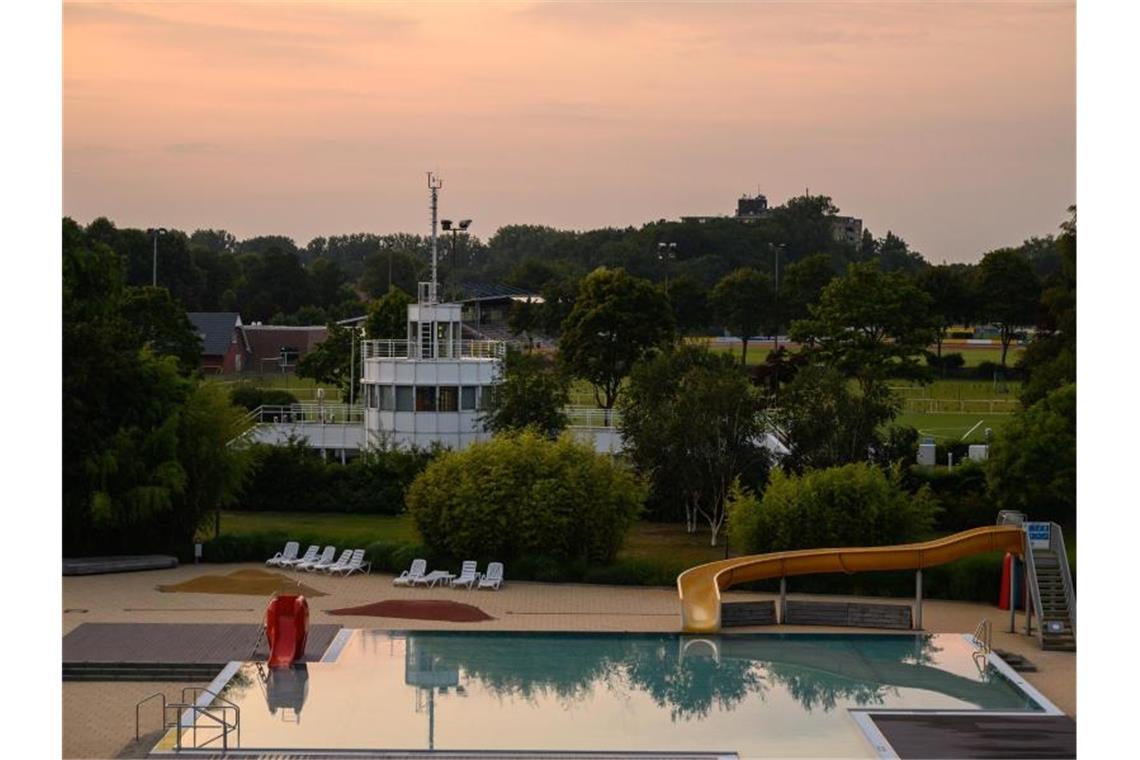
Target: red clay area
{"type": "Point", "coordinates": [419, 609]}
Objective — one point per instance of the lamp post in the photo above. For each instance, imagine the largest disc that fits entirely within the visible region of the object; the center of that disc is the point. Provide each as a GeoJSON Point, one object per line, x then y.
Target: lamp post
{"type": "Point", "coordinates": [776, 338]}
{"type": "Point", "coordinates": [454, 229]}
{"type": "Point", "coordinates": [155, 231]}
{"type": "Point", "coordinates": [666, 252]}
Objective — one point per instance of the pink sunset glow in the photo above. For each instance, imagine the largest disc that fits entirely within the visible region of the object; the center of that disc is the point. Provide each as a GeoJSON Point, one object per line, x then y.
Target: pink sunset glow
{"type": "Point", "coordinates": [951, 124]}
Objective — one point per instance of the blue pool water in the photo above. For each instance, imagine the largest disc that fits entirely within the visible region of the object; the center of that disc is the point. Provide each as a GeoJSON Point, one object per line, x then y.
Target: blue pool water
{"type": "Point", "coordinates": [757, 695]}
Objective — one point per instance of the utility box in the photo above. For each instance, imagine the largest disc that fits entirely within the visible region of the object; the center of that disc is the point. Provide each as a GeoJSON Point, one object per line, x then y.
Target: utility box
{"type": "Point", "coordinates": [926, 454]}
{"type": "Point", "coordinates": [978, 452]}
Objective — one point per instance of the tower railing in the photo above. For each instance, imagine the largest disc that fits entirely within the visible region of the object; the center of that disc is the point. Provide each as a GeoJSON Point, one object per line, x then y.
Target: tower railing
{"type": "Point", "coordinates": [406, 349]}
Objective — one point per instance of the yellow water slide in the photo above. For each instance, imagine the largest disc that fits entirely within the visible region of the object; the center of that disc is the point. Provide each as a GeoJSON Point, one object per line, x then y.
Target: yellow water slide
{"type": "Point", "coordinates": [700, 587]}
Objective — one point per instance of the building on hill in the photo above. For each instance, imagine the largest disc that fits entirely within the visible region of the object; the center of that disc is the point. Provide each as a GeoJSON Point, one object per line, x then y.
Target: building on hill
{"type": "Point", "coordinates": [278, 348]}
{"type": "Point", "coordinates": [225, 350]}
{"type": "Point", "coordinates": [753, 208]}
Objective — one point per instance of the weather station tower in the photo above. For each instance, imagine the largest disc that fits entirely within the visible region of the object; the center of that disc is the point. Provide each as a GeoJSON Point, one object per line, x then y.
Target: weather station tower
{"type": "Point", "coordinates": [430, 386]}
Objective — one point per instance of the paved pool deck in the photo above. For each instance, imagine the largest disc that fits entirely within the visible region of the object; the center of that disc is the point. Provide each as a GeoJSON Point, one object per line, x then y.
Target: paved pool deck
{"type": "Point", "coordinates": [95, 722]}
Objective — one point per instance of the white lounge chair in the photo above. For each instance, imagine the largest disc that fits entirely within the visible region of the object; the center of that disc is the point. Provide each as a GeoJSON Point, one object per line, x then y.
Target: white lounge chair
{"type": "Point", "coordinates": [412, 574]}
{"type": "Point", "coordinates": [356, 564]}
{"type": "Point", "coordinates": [290, 553]}
{"type": "Point", "coordinates": [467, 575]}
{"type": "Point", "coordinates": [493, 577]}
{"type": "Point", "coordinates": [324, 560]}
{"type": "Point", "coordinates": [341, 563]}
{"type": "Point", "coordinates": [310, 555]}
{"type": "Point", "coordinates": [433, 578]}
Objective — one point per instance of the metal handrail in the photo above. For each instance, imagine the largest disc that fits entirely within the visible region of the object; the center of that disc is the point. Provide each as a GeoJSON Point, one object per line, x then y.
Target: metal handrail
{"type": "Point", "coordinates": [396, 348]}
{"type": "Point", "coordinates": [983, 639]}
{"type": "Point", "coordinates": [143, 701]}
{"type": "Point", "coordinates": [1057, 545]}
{"type": "Point", "coordinates": [1034, 593]}
{"type": "Point", "coordinates": [309, 413]}
{"type": "Point", "coordinates": [204, 710]}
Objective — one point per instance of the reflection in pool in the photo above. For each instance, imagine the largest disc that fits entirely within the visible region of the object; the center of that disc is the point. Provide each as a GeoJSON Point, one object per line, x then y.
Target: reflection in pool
{"type": "Point", "coordinates": [755, 694]}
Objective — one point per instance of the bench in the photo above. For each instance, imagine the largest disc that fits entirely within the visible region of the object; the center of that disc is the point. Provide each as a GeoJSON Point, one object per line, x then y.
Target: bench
{"type": "Point", "coordinates": [849, 614]}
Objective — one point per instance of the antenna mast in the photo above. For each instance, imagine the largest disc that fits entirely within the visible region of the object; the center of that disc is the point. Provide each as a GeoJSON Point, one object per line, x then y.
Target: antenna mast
{"type": "Point", "coordinates": [434, 184]}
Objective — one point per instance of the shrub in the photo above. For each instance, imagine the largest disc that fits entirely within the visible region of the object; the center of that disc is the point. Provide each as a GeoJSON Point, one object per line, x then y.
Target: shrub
{"type": "Point", "coordinates": [294, 478]}
{"type": "Point", "coordinates": [250, 396]}
{"type": "Point", "coordinates": [853, 505]}
{"type": "Point", "coordinates": [961, 495]}
{"type": "Point", "coordinates": [522, 495]}
{"type": "Point", "coordinates": [947, 362]}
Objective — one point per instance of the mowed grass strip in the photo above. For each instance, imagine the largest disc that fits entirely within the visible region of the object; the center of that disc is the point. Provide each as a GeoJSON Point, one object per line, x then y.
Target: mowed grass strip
{"type": "Point", "coordinates": [660, 543]}
{"type": "Point", "coordinates": [950, 428]}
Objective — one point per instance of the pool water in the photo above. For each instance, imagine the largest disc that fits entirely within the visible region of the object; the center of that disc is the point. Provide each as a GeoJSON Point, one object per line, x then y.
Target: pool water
{"type": "Point", "coordinates": [757, 695]}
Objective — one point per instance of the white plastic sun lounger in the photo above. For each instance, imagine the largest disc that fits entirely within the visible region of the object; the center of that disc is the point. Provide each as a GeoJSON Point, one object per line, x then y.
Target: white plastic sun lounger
{"type": "Point", "coordinates": [310, 556]}
{"type": "Point", "coordinates": [356, 564]}
{"type": "Point", "coordinates": [325, 560]}
{"type": "Point", "coordinates": [494, 577]}
{"type": "Point", "coordinates": [467, 575]}
{"type": "Point", "coordinates": [412, 574]}
{"type": "Point", "coordinates": [340, 564]}
{"type": "Point", "coordinates": [290, 553]}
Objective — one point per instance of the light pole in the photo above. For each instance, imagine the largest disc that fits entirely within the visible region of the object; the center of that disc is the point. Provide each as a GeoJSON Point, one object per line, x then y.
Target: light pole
{"type": "Point", "coordinates": [454, 229]}
{"type": "Point", "coordinates": [155, 231]}
{"type": "Point", "coordinates": [666, 252]}
{"type": "Point", "coordinates": [776, 337]}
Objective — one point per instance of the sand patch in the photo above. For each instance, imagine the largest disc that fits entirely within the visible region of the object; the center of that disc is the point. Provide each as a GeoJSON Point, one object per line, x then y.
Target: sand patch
{"type": "Point", "coordinates": [419, 609]}
{"type": "Point", "coordinates": [251, 582]}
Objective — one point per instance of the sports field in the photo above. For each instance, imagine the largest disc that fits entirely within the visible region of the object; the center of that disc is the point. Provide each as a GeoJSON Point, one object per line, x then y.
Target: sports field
{"type": "Point", "coordinates": [953, 428]}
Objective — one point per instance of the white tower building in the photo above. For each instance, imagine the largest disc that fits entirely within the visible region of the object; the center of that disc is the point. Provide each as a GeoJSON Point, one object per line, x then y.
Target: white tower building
{"type": "Point", "coordinates": [429, 387]}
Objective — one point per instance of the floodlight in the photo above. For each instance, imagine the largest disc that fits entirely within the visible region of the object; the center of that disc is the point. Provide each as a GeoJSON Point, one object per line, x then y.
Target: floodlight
{"type": "Point", "coordinates": [445, 223]}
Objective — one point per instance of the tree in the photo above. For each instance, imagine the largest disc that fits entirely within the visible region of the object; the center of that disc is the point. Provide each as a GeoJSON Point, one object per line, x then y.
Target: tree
{"type": "Point", "coordinates": [951, 298]}
{"type": "Point", "coordinates": [1050, 361]}
{"type": "Point", "coordinates": [532, 393]}
{"type": "Point", "coordinates": [801, 284]}
{"type": "Point", "coordinates": [690, 303]}
{"type": "Point", "coordinates": [1032, 464]}
{"type": "Point", "coordinates": [870, 325]}
{"type": "Point", "coordinates": [1008, 292]}
{"type": "Point", "coordinates": [524, 319]}
{"type": "Point", "coordinates": [392, 267]}
{"type": "Point", "coordinates": [162, 325]}
{"type": "Point", "coordinates": [213, 458]}
{"type": "Point", "coordinates": [895, 255]}
{"type": "Point", "coordinates": [521, 495]}
{"type": "Point", "coordinates": [691, 425]}
{"type": "Point", "coordinates": [743, 302]}
{"type": "Point", "coordinates": [826, 422]}
{"type": "Point", "coordinates": [616, 320]}
{"type": "Point", "coordinates": [331, 361]}
{"type": "Point", "coordinates": [388, 316]}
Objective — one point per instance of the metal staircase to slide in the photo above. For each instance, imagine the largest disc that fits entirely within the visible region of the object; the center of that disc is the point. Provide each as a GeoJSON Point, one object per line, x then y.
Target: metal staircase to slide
{"type": "Point", "coordinates": [1051, 586]}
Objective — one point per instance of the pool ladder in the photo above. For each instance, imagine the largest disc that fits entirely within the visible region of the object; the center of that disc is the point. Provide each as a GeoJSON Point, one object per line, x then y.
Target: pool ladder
{"type": "Point", "coordinates": [983, 640]}
{"type": "Point", "coordinates": [216, 713]}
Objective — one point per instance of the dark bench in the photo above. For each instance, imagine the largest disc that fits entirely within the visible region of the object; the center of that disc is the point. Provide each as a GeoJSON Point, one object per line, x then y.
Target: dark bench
{"type": "Point", "coordinates": [852, 614]}
{"type": "Point", "coordinates": [747, 613]}
{"type": "Point", "coordinates": [97, 565]}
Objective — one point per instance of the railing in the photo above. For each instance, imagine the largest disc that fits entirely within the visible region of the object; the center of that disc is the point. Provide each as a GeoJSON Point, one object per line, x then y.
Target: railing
{"type": "Point", "coordinates": [410, 349]}
{"type": "Point", "coordinates": [197, 711]}
{"type": "Point", "coordinates": [983, 639]}
{"type": "Point", "coordinates": [960, 405]}
{"type": "Point", "coordinates": [1057, 545]}
{"type": "Point", "coordinates": [591, 416]}
{"type": "Point", "coordinates": [308, 414]}
{"type": "Point", "coordinates": [1034, 594]}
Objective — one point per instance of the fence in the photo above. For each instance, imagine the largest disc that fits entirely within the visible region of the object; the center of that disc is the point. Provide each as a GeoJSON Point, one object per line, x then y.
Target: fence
{"type": "Point", "coordinates": [410, 349]}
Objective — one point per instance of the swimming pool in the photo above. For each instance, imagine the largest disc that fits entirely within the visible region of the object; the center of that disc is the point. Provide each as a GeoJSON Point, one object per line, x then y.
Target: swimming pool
{"type": "Point", "coordinates": [754, 695]}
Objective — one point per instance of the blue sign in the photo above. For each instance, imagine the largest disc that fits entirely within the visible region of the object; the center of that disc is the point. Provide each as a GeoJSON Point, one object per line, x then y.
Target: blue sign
{"type": "Point", "coordinates": [1039, 533]}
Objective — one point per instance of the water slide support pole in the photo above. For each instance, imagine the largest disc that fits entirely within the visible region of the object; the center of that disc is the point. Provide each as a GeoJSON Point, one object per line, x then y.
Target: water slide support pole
{"type": "Point", "coordinates": [1012, 598]}
{"type": "Point", "coordinates": [783, 600]}
{"type": "Point", "coordinates": [1028, 608]}
{"type": "Point", "coordinates": [918, 599]}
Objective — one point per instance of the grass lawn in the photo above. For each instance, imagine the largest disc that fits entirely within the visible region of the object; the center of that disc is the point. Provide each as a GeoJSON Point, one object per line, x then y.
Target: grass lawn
{"type": "Point", "coordinates": [304, 388]}
{"type": "Point", "coordinates": [973, 355]}
{"type": "Point", "coordinates": [664, 543]}
{"type": "Point", "coordinates": [950, 428]}
{"type": "Point", "coordinates": [324, 528]}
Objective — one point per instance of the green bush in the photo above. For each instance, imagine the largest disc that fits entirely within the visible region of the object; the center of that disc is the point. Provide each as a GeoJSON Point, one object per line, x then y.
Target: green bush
{"type": "Point", "coordinates": [961, 494]}
{"type": "Point", "coordinates": [520, 495]}
{"type": "Point", "coordinates": [250, 396]}
{"type": "Point", "coordinates": [294, 478]}
{"type": "Point", "coordinates": [853, 505]}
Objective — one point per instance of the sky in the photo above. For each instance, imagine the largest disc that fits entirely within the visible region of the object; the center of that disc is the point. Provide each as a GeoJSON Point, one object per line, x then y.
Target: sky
{"type": "Point", "coordinates": [953, 125]}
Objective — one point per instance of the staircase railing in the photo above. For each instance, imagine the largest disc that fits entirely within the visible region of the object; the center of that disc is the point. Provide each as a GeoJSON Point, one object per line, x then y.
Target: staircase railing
{"type": "Point", "coordinates": [1057, 545]}
{"type": "Point", "coordinates": [983, 640]}
{"type": "Point", "coordinates": [218, 704]}
{"type": "Point", "coordinates": [1034, 593]}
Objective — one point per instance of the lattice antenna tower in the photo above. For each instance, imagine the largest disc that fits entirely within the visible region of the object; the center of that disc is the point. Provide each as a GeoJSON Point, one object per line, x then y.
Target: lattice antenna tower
{"type": "Point", "coordinates": [434, 184]}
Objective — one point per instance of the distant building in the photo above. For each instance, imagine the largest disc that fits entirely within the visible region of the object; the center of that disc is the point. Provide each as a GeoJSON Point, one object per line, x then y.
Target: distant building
{"type": "Point", "coordinates": [224, 347]}
{"type": "Point", "coordinates": [230, 347]}
{"type": "Point", "coordinates": [752, 208]}
{"type": "Point", "coordinates": [487, 309]}
{"type": "Point", "coordinates": [278, 348]}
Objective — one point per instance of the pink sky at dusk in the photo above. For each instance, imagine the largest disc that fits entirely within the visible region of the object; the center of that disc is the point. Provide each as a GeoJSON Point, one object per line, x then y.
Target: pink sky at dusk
{"type": "Point", "coordinates": [952, 124]}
